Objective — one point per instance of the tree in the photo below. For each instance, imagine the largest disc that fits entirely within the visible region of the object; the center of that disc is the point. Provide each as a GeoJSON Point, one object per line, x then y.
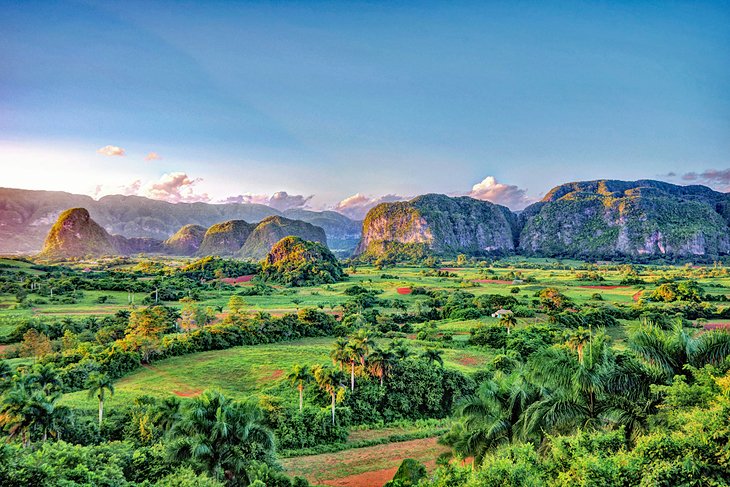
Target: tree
{"type": "Point", "coordinates": [356, 351]}
{"type": "Point", "coordinates": [433, 355]}
{"type": "Point", "coordinates": [221, 437]}
{"type": "Point", "coordinates": [167, 413]}
{"type": "Point", "coordinates": [14, 415]}
{"type": "Point", "coordinates": [35, 344]}
{"type": "Point", "coordinates": [508, 320]}
{"type": "Point", "coordinates": [46, 378]}
{"type": "Point", "coordinates": [46, 415]}
{"type": "Point", "coordinates": [400, 349]}
{"type": "Point", "coordinates": [298, 377]}
{"type": "Point", "coordinates": [330, 381]}
{"type": "Point", "coordinates": [338, 353]}
{"type": "Point", "coordinates": [670, 351]}
{"type": "Point", "coordinates": [145, 328]}
{"type": "Point", "coordinates": [491, 417]}
{"type": "Point", "coordinates": [577, 341]}
{"type": "Point", "coordinates": [380, 363]}
{"type": "Point", "coordinates": [100, 385]}
{"type": "Point", "coordinates": [236, 304]}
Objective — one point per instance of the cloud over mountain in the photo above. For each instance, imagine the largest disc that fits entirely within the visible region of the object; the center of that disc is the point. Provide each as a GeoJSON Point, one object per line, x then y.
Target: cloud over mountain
{"type": "Point", "coordinates": [357, 205]}
{"type": "Point", "coordinates": [175, 187]}
{"type": "Point", "coordinates": [281, 200]}
{"type": "Point", "coordinates": [717, 178]}
{"type": "Point", "coordinates": [508, 195]}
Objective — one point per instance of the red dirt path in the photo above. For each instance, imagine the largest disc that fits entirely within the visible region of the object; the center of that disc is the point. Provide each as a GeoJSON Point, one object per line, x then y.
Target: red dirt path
{"type": "Point", "coordinates": [636, 295]}
{"type": "Point", "coordinates": [404, 290]}
{"type": "Point", "coordinates": [602, 287]}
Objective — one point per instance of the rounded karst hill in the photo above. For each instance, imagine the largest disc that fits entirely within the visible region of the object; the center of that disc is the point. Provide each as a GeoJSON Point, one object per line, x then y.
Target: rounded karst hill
{"type": "Point", "coordinates": [226, 238]}
{"type": "Point", "coordinates": [185, 241]}
{"type": "Point", "coordinates": [297, 262]}
{"type": "Point", "coordinates": [272, 229]}
{"type": "Point", "coordinates": [75, 234]}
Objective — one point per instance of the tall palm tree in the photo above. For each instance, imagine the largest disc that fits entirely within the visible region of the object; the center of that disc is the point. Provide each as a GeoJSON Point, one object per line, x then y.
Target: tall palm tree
{"type": "Point", "coordinates": [221, 437]}
{"type": "Point", "coordinates": [338, 353]}
{"type": "Point", "coordinates": [14, 415]}
{"type": "Point", "coordinates": [380, 363]}
{"type": "Point", "coordinates": [46, 415]}
{"type": "Point", "coordinates": [299, 376]}
{"type": "Point", "coordinates": [330, 381]}
{"type": "Point", "coordinates": [433, 355]}
{"type": "Point", "coordinates": [99, 385]}
{"type": "Point", "coordinates": [577, 340]}
{"type": "Point", "coordinates": [508, 320]}
{"type": "Point", "coordinates": [355, 352]}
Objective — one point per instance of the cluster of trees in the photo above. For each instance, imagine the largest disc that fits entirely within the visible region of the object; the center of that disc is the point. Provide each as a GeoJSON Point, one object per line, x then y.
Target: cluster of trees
{"type": "Point", "coordinates": [209, 440]}
{"type": "Point", "coordinates": [581, 397]}
{"type": "Point", "coordinates": [373, 384]}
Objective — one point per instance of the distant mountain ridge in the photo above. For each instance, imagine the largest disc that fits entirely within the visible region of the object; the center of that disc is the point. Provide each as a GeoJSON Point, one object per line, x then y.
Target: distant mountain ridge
{"type": "Point", "coordinates": [586, 219]}
{"type": "Point", "coordinates": [26, 216]}
{"type": "Point", "coordinates": [76, 235]}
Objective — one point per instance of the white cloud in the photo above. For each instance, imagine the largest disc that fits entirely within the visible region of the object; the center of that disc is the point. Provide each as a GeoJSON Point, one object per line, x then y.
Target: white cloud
{"type": "Point", "coordinates": [281, 200]}
{"type": "Point", "coordinates": [175, 187]}
{"type": "Point", "coordinates": [357, 205]}
{"type": "Point", "coordinates": [717, 178]}
{"type": "Point", "coordinates": [111, 151]}
{"type": "Point", "coordinates": [153, 156]}
{"type": "Point", "coordinates": [508, 195]}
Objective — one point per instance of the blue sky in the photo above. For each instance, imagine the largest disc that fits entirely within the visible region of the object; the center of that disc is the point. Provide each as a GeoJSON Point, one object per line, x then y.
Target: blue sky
{"type": "Point", "coordinates": [379, 98]}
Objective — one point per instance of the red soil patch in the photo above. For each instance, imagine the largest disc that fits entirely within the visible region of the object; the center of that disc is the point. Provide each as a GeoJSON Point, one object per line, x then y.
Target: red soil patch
{"type": "Point", "coordinates": [491, 281]}
{"type": "Point", "coordinates": [717, 326]}
{"type": "Point", "coordinates": [636, 295]}
{"type": "Point", "coordinates": [602, 287]}
{"type": "Point", "coordinates": [404, 290]}
{"type": "Point", "coordinates": [468, 361]}
{"type": "Point", "coordinates": [188, 393]}
{"type": "Point", "coordinates": [276, 374]}
{"type": "Point", "coordinates": [376, 478]}
{"type": "Point", "coordinates": [237, 280]}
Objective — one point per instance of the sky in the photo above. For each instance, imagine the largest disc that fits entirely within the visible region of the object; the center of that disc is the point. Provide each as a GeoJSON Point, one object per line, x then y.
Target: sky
{"type": "Point", "coordinates": [344, 104]}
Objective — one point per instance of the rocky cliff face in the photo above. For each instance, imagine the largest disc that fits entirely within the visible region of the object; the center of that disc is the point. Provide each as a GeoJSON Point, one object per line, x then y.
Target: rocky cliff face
{"type": "Point", "coordinates": [274, 228]}
{"type": "Point", "coordinates": [619, 218]}
{"type": "Point", "coordinates": [442, 224]}
{"type": "Point", "coordinates": [186, 241]}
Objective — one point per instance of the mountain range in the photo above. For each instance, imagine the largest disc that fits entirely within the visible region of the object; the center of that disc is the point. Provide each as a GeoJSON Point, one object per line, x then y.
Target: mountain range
{"type": "Point", "coordinates": [26, 216]}
{"type": "Point", "coordinates": [589, 219]}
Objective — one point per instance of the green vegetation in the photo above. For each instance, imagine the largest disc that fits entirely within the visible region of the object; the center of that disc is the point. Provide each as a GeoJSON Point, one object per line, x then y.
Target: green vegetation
{"type": "Point", "coordinates": [296, 262]}
{"type": "Point", "coordinates": [198, 382]}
